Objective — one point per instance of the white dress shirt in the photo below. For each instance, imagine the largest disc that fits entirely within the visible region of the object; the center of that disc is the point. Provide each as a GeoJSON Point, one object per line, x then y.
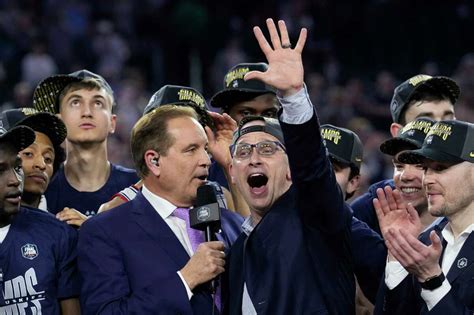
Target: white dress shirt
{"type": "Point", "coordinates": [165, 209]}
{"type": "Point", "coordinates": [3, 232]}
{"type": "Point", "coordinates": [395, 273]}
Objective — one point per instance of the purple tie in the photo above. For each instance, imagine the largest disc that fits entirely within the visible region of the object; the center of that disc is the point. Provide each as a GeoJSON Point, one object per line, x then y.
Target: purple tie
{"type": "Point", "coordinates": [196, 237]}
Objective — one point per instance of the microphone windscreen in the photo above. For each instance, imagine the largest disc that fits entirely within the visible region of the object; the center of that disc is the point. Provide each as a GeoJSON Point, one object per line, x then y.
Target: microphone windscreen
{"type": "Point", "coordinates": [205, 195]}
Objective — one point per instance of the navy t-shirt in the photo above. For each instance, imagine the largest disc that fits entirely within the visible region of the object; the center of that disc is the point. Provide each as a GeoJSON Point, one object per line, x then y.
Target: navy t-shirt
{"type": "Point", "coordinates": [38, 264]}
{"type": "Point", "coordinates": [363, 206]}
{"type": "Point", "coordinates": [61, 194]}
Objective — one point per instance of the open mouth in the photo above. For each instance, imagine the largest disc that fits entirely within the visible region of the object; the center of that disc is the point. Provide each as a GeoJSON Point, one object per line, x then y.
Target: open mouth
{"type": "Point", "coordinates": [410, 190]}
{"type": "Point", "coordinates": [257, 180]}
{"type": "Point", "coordinates": [202, 177]}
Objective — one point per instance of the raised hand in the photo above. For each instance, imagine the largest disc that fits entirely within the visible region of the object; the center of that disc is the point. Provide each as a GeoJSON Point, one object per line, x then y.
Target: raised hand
{"type": "Point", "coordinates": [417, 258]}
{"type": "Point", "coordinates": [221, 139]}
{"type": "Point", "coordinates": [394, 213]}
{"type": "Point", "coordinates": [285, 66]}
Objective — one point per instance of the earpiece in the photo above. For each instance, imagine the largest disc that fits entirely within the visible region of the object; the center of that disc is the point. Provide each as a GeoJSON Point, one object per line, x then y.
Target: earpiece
{"type": "Point", "coordinates": [154, 161]}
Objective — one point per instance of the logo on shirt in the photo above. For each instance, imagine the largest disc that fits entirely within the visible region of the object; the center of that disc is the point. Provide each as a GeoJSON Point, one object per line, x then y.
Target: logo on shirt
{"type": "Point", "coordinates": [20, 295]}
{"type": "Point", "coordinates": [462, 262]}
{"type": "Point", "coordinates": [29, 251]}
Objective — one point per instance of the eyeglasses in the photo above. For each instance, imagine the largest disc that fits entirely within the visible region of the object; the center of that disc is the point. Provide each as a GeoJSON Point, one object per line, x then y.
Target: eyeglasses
{"type": "Point", "coordinates": [243, 151]}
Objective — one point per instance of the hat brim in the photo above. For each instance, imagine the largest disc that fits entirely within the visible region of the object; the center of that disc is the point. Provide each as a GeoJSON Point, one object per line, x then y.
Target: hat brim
{"type": "Point", "coordinates": [223, 98]}
{"type": "Point", "coordinates": [46, 94]}
{"type": "Point", "coordinates": [48, 124]}
{"type": "Point", "coordinates": [421, 155]}
{"type": "Point", "coordinates": [395, 145]}
{"type": "Point", "coordinates": [19, 137]}
{"type": "Point", "coordinates": [343, 161]}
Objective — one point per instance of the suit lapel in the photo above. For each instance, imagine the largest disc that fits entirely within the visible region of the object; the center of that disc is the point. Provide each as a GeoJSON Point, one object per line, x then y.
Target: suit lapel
{"type": "Point", "coordinates": [464, 260]}
{"type": "Point", "coordinates": [154, 225]}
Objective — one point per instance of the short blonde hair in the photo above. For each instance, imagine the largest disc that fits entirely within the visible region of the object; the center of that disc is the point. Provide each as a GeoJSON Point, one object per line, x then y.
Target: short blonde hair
{"type": "Point", "coordinates": [85, 84]}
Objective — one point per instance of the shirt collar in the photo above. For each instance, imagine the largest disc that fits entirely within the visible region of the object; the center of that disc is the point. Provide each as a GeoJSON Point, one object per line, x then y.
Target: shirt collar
{"type": "Point", "coordinates": [449, 237]}
{"type": "Point", "coordinates": [161, 205]}
{"type": "Point", "coordinates": [247, 226]}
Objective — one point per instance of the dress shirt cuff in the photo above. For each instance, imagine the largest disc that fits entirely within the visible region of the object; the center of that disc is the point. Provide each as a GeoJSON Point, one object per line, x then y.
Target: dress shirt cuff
{"type": "Point", "coordinates": [188, 290]}
{"type": "Point", "coordinates": [297, 108]}
{"type": "Point", "coordinates": [432, 297]}
{"type": "Point", "coordinates": [394, 274]}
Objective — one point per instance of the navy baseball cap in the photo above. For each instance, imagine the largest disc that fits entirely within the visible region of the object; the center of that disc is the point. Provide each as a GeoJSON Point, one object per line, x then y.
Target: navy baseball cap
{"type": "Point", "coordinates": [450, 141]}
{"type": "Point", "coordinates": [270, 126]}
{"type": "Point", "coordinates": [46, 94]}
{"type": "Point", "coordinates": [235, 86]}
{"type": "Point", "coordinates": [343, 145]}
{"type": "Point", "coordinates": [410, 137]}
{"type": "Point", "coordinates": [403, 93]}
{"type": "Point", "coordinates": [180, 95]}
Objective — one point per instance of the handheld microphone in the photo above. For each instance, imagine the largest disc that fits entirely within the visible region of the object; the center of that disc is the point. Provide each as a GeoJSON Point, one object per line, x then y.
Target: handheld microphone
{"type": "Point", "coordinates": [206, 216]}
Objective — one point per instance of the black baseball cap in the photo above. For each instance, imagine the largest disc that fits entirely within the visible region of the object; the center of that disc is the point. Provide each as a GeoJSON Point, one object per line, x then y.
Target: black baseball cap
{"type": "Point", "coordinates": [410, 137]}
{"type": "Point", "coordinates": [44, 122]}
{"type": "Point", "coordinates": [450, 141]}
{"type": "Point", "coordinates": [343, 145]}
{"type": "Point", "coordinates": [46, 94]}
{"type": "Point", "coordinates": [19, 137]}
{"type": "Point", "coordinates": [270, 126]}
{"type": "Point", "coordinates": [235, 87]}
{"type": "Point", "coordinates": [403, 93]}
{"type": "Point", "coordinates": [180, 95]}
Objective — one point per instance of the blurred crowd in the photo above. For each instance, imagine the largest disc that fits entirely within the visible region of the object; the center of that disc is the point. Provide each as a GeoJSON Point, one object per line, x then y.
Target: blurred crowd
{"type": "Point", "coordinates": [357, 53]}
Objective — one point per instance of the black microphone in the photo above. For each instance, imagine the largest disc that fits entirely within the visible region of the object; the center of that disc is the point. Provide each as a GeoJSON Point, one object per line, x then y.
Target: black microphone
{"type": "Point", "coordinates": [206, 216]}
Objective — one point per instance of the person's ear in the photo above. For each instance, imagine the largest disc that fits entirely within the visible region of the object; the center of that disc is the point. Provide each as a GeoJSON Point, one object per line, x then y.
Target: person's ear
{"type": "Point", "coordinates": [152, 159]}
{"type": "Point", "coordinates": [394, 129]}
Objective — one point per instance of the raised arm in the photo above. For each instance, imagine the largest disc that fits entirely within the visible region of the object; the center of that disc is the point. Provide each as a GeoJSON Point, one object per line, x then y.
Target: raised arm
{"type": "Point", "coordinates": [320, 199]}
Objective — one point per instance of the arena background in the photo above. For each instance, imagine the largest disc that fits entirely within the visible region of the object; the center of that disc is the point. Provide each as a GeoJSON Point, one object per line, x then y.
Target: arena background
{"type": "Point", "coordinates": [356, 53]}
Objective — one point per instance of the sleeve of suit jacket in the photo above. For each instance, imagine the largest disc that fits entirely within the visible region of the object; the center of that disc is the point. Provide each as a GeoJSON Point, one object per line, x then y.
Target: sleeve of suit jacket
{"type": "Point", "coordinates": [320, 199]}
{"type": "Point", "coordinates": [450, 304]}
{"type": "Point", "coordinates": [105, 287]}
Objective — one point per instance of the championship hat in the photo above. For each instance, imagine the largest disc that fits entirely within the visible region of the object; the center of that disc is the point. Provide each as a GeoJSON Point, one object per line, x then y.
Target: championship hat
{"type": "Point", "coordinates": [403, 93]}
{"type": "Point", "coordinates": [236, 88]}
{"type": "Point", "coordinates": [410, 137]}
{"type": "Point", "coordinates": [343, 145]}
{"type": "Point", "coordinates": [180, 95]}
{"type": "Point", "coordinates": [450, 141]}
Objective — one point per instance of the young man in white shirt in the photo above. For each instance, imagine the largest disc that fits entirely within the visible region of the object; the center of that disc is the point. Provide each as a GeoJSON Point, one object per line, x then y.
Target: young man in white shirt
{"type": "Point", "coordinates": [433, 274]}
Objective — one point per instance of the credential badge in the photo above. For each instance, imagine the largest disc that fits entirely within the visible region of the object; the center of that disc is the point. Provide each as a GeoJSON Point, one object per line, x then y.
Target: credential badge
{"type": "Point", "coordinates": [29, 251]}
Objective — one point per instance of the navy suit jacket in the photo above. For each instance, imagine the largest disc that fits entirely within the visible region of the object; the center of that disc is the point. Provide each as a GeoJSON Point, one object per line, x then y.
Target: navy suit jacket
{"type": "Point", "coordinates": [129, 258]}
{"type": "Point", "coordinates": [405, 299]}
{"type": "Point", "coordinates": [298, 258]}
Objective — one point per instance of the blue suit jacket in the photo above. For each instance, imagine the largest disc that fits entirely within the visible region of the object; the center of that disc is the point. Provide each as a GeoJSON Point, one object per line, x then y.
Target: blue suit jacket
{"type": "Point", "coordinates": [405, 299]}
{"type": "Point", "coordinates": [298, 258]}
{"type": "Point", "coordinates": [129, 258]}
